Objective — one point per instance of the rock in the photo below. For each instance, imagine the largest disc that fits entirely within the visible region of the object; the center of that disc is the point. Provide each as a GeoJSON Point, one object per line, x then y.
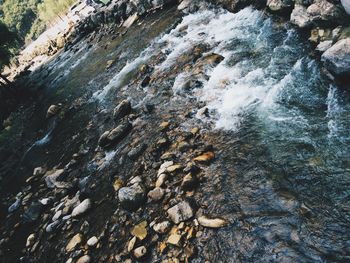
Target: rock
{"type": "Point", "coordinates": [39, 171]}
{"type": "Point", "coordinates": [324, 45]}
{"type": "Point", "coordinates": [123, 109]}
{"type": "Point", "coordinates": [117, 184]}
{"type": "Point", "coordinates": [84, 259]}
{"type": "Point", "coordinates": [140, 230]}
{"type": "Point", "coordinates": [52, 177]}
{"type": "Point", "coordinates": [205, 157]}
{"type": "Point", "coordinates": [162, 227]}
{"type": "Point", "coordinates": [145, 82]}
{"type": "Point", "coordinates": [164, 125]}
{"type": "Point", "coordinates": [81, 208]}
{"type": "Point", "coordinates": [337, 59]}
{"type": "Point", "coordinates": [33, 212]}
{"type": "Point", "coordinates": [131, 244]}
{"type": "Point", "coordinates": [173, 168]}
{"type": "Point", "coordinates": [52, 111]}
{"type": "Point", "coordinates": [92, 241]}
{"type": "Point", "coordinates": [114, 136]}
{"type": "Point", "coordinates": [161, 180]}
{"type": "Point", "coordinates": [131, 197]}
{"type": "Point", "coordinates": [14, 206]}
{"type": "Point", "coordinates": [164, 166]}
{"type": "Point", "coordinates": [174, 239]}
{"type": "Point", "coordinates": [57, 215]}
{"type": "Point", "coordinates": [184, 4]}
{"type": "Point", "coordinates": [30, 240]}
{"type": "Point", "coordinates": [212, 223]}
{"type": "Point", "coordinates": [74, 242]}
{"type": "Point", "coordinates": [53, 227]}
{"type": "Point", "coordinates": [131, 20]}
{"type": "Point", "coordinates": [280, 5]}
{"type": "Point", "coordinates": [156, 194]}
{"type": "Point", "coordinates": [140, 252]}
{"type": "Point", "coordinates": [180, 212]}
{"type": "Point", "coordinates": [300, 16]}
{"type": "Point", "coordinates": [110, 63]}
{"type": "Point", "coordinates": [189, 182]}
{"type": "Point", "coordinates": [137, 151]}
{"type": "Point", "coordinates": [346, 5]}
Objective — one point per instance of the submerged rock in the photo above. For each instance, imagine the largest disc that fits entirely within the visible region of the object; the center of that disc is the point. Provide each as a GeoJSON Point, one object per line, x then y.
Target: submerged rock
{"type": "Point", "coordinates": [53, 110]}
{"type": "Point", "coordinates": [337, 59]}
{"type": "Point", "coordinates": [115, 136]}
{"type": "Point", "coordinates": [74, 242]}
{"type": "Point", "coordinates": [131, 197]}
{"type": "Point", "coordinates": [123, 109]}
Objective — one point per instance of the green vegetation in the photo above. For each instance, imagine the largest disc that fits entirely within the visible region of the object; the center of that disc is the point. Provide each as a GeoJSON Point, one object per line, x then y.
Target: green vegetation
{"type": "Point", "coordinates": [29, 18]}
{"type": "Point", "coordinates": [8, 43]}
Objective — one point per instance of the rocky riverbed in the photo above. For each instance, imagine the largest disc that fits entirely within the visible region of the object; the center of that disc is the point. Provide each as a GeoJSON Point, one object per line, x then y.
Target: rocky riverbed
{"type": "Point", "coordinates": [183, 134]}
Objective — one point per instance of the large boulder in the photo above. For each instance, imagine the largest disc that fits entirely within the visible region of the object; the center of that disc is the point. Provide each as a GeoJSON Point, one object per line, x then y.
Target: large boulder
{"type": "Point", "coordinates": [320, 12]}
{"type": "Point", "coordinates": [346, 5]}
{"type": "Point", "coordinates": [337, 59]}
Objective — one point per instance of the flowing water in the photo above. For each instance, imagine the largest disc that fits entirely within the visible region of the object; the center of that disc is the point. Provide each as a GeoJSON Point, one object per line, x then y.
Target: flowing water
{"type": "Point", "coordinates": [279, 127]}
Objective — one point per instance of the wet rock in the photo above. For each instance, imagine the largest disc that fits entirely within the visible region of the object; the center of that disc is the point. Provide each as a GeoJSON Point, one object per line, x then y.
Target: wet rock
{"type": "Point", "coordinates": [131, 197]}
{"type": "Point", "coordinates": [161, 180]}
{"type": "Point", "coordinates": [14, 206]}
{"type": "Point", "coordinates": [123, 109]}
{"type": "Point", "coordinates": [92, 241]}
{"type": "Point", "coordinates": [164, 166]}
{"type": "Point", "coordinates": [180, 212]}
{"type": "Point", "coordinates": [33, 213]}
{"type": "Point", "coordinates": [110, 63]}
{"type": "Point", "coordinates": [324, 45]}
{"type": "Point", "coordinates": [184, 4]}
{"type": "Point", "coordinates": [131, 244]}
{"type": "Point", "coordinates": [346, 5]}
{"type": "Point", "coordinates": [30, 240]}
{"type": "Point", "coordinates": [53, 227]}
{"type": "Point", "coordinates": [117, 184]}
{"type": "Point", "coordinates": [39, 171]}
{"type": "Point", "coordinates": [74, 242]}
{"type": "Point", "coordinates": [137, 151]}
{"type": "Point", "coordinates": [189, 182]}
{"type": "Point", "coordinates": [145, 81]}
{"type": "Point", "coordinates": [174, 168]}
{"type": "Point", "coordinates": [84, 259]}
{"type": "Point", "coordinates": [205, 157]}
{"type": "Point", "coordinates": [114, 136]}
{"type": "Point", "coordinates": [156, 194]}
{"type": "Point", "coordinates": [53, 110]}
{"type": "Point", "coordinates": [280, 5]}
{"type": "Point", "coordinates": [140, 230]}
{"type": "Point", "coordinates": [162, 227]}
{"type": "Point", "coordinates": [174, 239]}
{"type": "Point", "coordinates": [211, 223]}
{"type": "Point", "coordinates": [52, 177]}
{"type": "Point", "coordinates": [337, 59]}
{"type": "Point", "coordinates": [81, 208]}
{"type": "Point", "coordinates": [140, 252]}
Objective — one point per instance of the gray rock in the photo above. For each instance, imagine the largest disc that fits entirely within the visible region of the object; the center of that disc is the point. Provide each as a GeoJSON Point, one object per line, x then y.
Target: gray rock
{"type": "Point", "coordinates": [123, 109]}
{"type": "Point", "coordinates": [156, 194]}
{"type": "Point", "coordinates": [53, 226]}
{"type": "Point", "coordinates": [81, 208]}
{"type": "Point", "coordinates": [114, 136]}
{"type": "Point", "coordinates": [131, 197]}
{"type": "Point", "coordinates": [280, 5]}
{"type": "Point", "coordinates": [180, 212]}
{"type": "Point", "coordinates": [346, 5]}
{"type": "Point", "coordinates": [337, 59]}
{"type": "Point", "coordinates": [324, 45]}
{"type": "Point", "coordinates": [92, 241]}
{"type": "Point", "coordinates": [300, 16]}
{"type": "Point", "coordinates": [33, 212]}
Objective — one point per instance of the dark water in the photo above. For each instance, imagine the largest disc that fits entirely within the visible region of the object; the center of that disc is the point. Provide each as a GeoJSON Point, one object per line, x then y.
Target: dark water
{"type": "Point", "coordinates": [279, 127]}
